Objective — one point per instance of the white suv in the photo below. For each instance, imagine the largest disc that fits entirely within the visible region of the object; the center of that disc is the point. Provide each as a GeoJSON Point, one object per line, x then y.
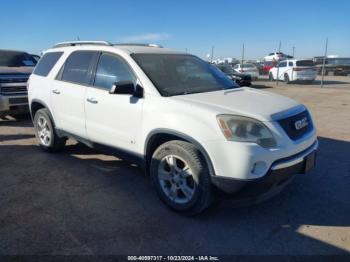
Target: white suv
{"type": "Point", "coordinates": [294, 70]}
{"type": "Point", "coordinates": [191, 127]}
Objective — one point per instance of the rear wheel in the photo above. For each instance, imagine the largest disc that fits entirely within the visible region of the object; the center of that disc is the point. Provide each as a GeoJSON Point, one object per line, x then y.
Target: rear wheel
{"type": "Point", "coordinates": [46, 133]}
{"type": "Point", "coordinates": [181, 177]}
{"type": "Point", "coordinates": [286, 79]}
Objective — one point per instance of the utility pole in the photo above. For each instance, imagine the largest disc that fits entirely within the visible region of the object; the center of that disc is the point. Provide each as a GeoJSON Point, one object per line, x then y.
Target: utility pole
{"type": "Point", "coordinates": [324, 62]}
{"type": "Point", "coordinates": [278, 68]}
{"type": "Point", "coordinates": [212, 54]}
{"type": "Point", "coordinates": [242, 58]}
{"type": "Point", "coordinates": [293, 50]}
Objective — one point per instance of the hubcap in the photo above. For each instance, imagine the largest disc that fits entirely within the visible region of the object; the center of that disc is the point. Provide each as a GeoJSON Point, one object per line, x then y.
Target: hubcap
{"type": "Point", "coordinates": [44, 132]}
{"type": "Point", "coordinates": [176, 179]}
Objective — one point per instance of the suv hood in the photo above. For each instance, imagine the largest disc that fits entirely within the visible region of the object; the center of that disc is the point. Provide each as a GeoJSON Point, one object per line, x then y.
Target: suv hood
{"type": "Point", "coordinates": [264, 106]}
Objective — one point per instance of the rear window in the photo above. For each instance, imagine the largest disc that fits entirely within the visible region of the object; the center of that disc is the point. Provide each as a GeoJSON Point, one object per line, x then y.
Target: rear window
{"type": "Point", "coordinates": [76, 68]}
{"type": "Point", "coordinates": [305, 63]}
{"type": "Point", "coordinates": [16, 59]}
{"type": "Point", "coordinates": [46, 63]}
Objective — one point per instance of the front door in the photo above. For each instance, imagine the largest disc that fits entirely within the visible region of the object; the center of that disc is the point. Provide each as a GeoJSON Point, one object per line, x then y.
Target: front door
{"type": "Point", "coordinates": [112, 119]}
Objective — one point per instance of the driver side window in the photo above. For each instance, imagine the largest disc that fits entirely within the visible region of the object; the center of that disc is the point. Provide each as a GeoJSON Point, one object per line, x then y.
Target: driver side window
{"type": "Point", "coordinates": [111, 69]}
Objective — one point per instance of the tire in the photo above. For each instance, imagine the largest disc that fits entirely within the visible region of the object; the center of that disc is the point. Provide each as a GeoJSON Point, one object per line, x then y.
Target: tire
{"type": "Point", "coordinates": [45, 132]}
{"type": "Point", "coordinates": [171, 182]}
{"type": "Point", "coordinates": [271, 77]}
{"type": "Point", "coordinates": [286, 79]}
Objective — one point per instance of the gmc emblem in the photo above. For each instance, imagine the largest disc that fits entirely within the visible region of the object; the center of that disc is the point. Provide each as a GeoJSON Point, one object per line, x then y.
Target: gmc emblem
{"type": "Point", "coordinates": [301, 123]}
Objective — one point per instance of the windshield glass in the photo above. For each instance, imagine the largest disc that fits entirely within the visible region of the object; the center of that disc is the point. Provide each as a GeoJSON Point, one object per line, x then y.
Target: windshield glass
{"type": "Point", "coordinates": [177, 74]}
{"type": "Point", "coordinates": [248, 66]}
{"type": "Point", "coordinates": [227, 69]}
{"type": "Point", "coordinates": [16, 59]}
{"type": "Point", "coordinates": [305, 63]}
{"type": "Point", "coordinates": [339, 61]}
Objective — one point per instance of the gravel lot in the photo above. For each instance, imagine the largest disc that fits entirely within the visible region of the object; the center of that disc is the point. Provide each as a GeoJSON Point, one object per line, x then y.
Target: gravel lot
{"type": "Point", "coordinates": [83, 202]}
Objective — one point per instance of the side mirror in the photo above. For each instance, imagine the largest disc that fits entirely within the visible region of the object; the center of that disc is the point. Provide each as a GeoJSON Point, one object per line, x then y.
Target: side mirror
{"type": "Point", "coordinates": [126, 88]}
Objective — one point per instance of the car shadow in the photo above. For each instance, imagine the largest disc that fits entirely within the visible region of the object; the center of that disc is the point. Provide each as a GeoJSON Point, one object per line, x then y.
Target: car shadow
{"type": "Point", "coordinates": [327, 82]}
{"type": "Point", "coordinates": [260, 86]}
{"type": "Point", "coordinates": [82, 200]}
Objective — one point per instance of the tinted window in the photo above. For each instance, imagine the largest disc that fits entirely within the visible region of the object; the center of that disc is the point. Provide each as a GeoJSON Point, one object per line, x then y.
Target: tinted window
{"type": "Point", "coordinates": [112, 69]}
{"type": "Point", "coordinates": [46, 63]}
{"type": "Point", "coordinates": [305, 63]}
{"type": "Point", "coordinates": [16, 59]}
{"type": "Point", "coordinates": [174, 74]}
{"type": "Point", "coordinates": [283, 64]}
{"type": "Point", "coordinates": [76, 68]}
{"type": "Point", "coordinates": [290, 63]}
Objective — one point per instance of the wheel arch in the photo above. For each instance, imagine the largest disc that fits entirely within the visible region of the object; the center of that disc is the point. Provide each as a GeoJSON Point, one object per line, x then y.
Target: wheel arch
{"type": "Point", "coordinates": [159, 136]}
{"type": "Point", "coordinates": [36, 105]}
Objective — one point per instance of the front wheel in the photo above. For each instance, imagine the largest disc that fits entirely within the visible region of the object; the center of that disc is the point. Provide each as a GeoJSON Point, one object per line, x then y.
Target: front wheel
{"type": "Point", "coordinates": [181, 177]}
{"type": "Point", "coordinates": [46, 133]}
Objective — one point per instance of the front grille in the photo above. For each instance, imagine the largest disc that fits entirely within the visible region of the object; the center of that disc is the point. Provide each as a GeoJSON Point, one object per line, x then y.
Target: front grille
{"type": "Point", "coordinates": [13, 90]}
{"type": "Point", "coordinates": [290, 124]}
{"type": "Point", "coordinates": [18, 100]}
{"type": "Point", "coordinates": [13, 80]}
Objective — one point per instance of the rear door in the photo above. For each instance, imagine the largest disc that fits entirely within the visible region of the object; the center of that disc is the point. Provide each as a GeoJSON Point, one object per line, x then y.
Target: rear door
{"type": "Point", "coordinates": [112, 119]}
{"type": "Point", "coordinates": [282, 69]}
{"type": "Point", "coordinates": [69, 90]}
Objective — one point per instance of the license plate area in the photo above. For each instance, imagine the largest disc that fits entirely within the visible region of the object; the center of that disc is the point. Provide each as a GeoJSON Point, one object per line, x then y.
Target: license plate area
{"type": "Point", "coordinates": [309, 162]}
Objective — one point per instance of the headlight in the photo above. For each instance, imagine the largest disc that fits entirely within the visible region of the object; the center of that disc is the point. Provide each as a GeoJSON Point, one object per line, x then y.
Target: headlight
{"type": "Point", "coordinates": [245, 129]}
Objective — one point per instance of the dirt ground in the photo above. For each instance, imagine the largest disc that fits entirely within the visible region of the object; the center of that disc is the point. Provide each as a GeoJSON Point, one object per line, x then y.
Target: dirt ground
{"type": "Point", "coordinates": [83, 202]}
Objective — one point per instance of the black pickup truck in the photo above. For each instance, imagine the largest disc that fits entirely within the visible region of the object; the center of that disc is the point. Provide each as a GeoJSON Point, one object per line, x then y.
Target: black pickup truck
{"type": "Point", "coordinates": [15, 69]}
{"type": "Point", "coordinates": [333, 66]}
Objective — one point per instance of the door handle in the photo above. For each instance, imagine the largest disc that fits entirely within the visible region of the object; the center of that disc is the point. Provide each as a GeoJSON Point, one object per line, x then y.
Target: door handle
{"type": "Point", "coordinates": [56, 91]}
{"type": "Point", "coordinates": [92, 100]}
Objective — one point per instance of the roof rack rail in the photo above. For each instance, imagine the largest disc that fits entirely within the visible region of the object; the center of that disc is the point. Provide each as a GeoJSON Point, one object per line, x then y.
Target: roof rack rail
{"type": "Point", "coordinates": [140, 44]}
{"type": "Point", "coordinates": [74, 43]}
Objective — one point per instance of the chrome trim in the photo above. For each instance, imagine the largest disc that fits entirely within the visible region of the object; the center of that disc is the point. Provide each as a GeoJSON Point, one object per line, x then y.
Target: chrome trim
{"type": "Point", "coordinates": [296, 160]}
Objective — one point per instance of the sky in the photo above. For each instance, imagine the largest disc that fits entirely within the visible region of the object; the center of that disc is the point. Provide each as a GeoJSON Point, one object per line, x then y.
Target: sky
{"type": "Point", "coordinates": [189, 25]}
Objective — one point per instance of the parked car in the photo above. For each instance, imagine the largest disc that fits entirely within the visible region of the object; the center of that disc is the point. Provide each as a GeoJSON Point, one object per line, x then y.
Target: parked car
{"type": "Point", "coordinates": [276, 56]}
{"type": "Point", "coordinates": [267, 66]}
{"type": "Point", "coordinates": [190, 126]}
{"type": "Point", "coordinates": [15, 69]}
{"type": "Point", "coordinates": [333, 66]}
{"type": "Point", "coordinates": [36, 57]}
{"type": "Point", "coordinates": [247, 68]}
{"type": "Point", "coordinates": [239, 78]}
{"type": "Point", "coordinates": [294, 70]}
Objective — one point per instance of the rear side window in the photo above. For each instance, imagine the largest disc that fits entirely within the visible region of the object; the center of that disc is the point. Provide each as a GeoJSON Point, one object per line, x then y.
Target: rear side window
{"type": "Point", "coordinates": [46, 63]}
{"type": "Point", "coordinates": [112, 69]}
{"type": "Point", "coordinates": [283, 64]}
{"type": "Point", "coordinates": [290, 63]}
{"type": "Point", "coordinates": [77, 67]}
{"type": "Point", "coordinates": [305, 63]}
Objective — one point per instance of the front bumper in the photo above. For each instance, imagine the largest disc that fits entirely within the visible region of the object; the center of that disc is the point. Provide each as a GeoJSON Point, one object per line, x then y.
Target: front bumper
{"type": "Point", "coordinates": [278, 176]}
{"type": "Point", "coordinates": [13, 103]}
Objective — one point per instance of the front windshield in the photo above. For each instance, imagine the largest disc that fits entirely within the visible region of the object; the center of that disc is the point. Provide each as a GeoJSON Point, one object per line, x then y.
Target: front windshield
{"type": "Point", "coordinates": [227, 69]}
{"type": "Point", "coordinates": [248, 66]}
{"type": "Point", "coordinates": [177, 74]}
{"type": "Point", "coordinates": [16, 59]}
